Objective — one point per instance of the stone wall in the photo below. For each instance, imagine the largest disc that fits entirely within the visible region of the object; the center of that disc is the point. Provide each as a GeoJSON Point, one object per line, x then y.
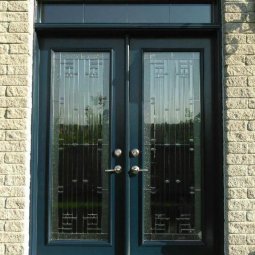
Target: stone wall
{"type": "Point", "coordinates": [16, 26]}
{"type": "Point", "coordinates": [239, 102]}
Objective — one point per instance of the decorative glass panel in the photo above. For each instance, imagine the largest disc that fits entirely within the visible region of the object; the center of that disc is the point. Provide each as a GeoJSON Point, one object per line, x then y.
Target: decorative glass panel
{"type": "Point", "coordinates": [172, 146]}
{"type": "Point", "coordinates": [79, 145]}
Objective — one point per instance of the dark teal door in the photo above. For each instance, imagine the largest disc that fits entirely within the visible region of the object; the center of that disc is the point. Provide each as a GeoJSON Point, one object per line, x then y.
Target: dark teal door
{"type": "Point", "coordinates": [80, 202]}
{"type": "Point", "coordinates": [171, 124]}
{"type": "Point", "coordinates": [125, 152]}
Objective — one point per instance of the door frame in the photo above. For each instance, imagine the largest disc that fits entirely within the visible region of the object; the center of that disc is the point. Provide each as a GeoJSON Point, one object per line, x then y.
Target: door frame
{"type": "Point", "coordinates": [212, 32]}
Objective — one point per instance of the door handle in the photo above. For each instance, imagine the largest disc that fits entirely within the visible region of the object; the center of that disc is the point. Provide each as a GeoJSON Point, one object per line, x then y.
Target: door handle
{"type": "Point", "coordinates": [117, 170]}
{"type": "Point", "coordinates": [136, 169]}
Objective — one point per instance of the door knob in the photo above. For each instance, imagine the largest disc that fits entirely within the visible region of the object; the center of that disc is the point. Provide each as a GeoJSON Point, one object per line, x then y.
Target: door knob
{"type": "Point", "coordinates": [135, 153]}
{"type": "Point", "coordinates": [117, 153]}
{"type": "Point", "coordinates": [117, 170]}
{"type": "Point", "coordinates": [136, 169]}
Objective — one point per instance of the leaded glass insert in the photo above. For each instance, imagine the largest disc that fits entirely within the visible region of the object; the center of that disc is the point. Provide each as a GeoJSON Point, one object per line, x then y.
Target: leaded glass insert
{"type": "Point", "coordinates": [79, 145]}
{"type": "Point", "coordinates": [172, 146]}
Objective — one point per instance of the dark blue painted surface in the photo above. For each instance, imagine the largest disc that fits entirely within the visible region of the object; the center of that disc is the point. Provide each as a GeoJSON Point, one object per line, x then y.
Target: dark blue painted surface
{"type": "Point", "coordinates": [138, 246]}
{"type": "Point", "coordinates": [41, 198]}
{"type": "Point", "coordinates": [126, 133]}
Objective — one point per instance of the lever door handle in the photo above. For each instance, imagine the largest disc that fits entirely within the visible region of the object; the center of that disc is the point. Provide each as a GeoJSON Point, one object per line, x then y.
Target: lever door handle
{"type": "Point", "coordinates": [136, 169]}
{"type": "Point", "coordinates": [117, 170]}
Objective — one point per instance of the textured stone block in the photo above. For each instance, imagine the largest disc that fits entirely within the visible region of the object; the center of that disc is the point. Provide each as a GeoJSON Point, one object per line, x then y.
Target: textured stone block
{"type": "Point", "coordinates": [14, 249]}
{"type": "Point", "coordinates": [17, 70]}
{"type": "Point", "coordinates": [250, 38]}
{"type": "Point", "coordinates": [235, 7]}
{"type": "Point", "coordinates": [4, 48]}
{"type": "Point", "coordinates": [11, 238]}
{"type": "Point", "coordinates": [251, 81]}
{"type": "Point", "coordinates": [16, 102]}
{"type": "Point", "coordinates": [13, 124]}
{"type": "Point", "coordinates": [241, 227]}
{"type": "Point", "coordinates": [8, 191]}
{"type": "Point", "coordinates": [246, 92]}
{"type": "Point", "coordinates": [236, 17]}
{"type": "Point", "coordinates": [236, 216]}
{"type": "Point", "coordinates": [15, 60]}
{"type": "Point", "coordinates": [19, 49]}
{"type": "Point", "coordinates": [18, 27]}
{"type": "Point", "coordinates": [235, 125]}
{"type": "Point", "coordinates": [13, 226]}
{"type": "Point", "coordinates": [17, 6]}
{"type": "Point", "coordinates": [240, 81]}
{"type": "Point", "coordinates": [237, 250]}
{"type": "Point", "coordinates": [15, 135]}
{"type": "Point", "coordinates": [238, 170]}
{"type": "Point", "coordinates": [237, 239]}
{"type": "Point", "coordinates": [235, 60]}
{"type": "Point", "coordinates": [250, 239]}
{"type": "Point", "coordinates": [235, 39]}
{"type": "Point", "coordinates": [3, 5]}
{"type": "Point", "coordinates": [3, 69]}
{"type": "Point", "coordinates": [15, 203]}
{"type": "Point", "coordinates": [16, 91]}
{"type": "Point", "coordinates": [13, 16]}
{"type": "Point", "coordinates": [251, 170]}
{"type": "Point", "coordinates": [251, 193]}
{"type": "Point", "coordinates": [14, 180]}
{"type": "Point", "coordinates": [240, 205]}
{"type": "Point", "coordinates": [240, 137]}
{"type": "Point", "coordinates": [13, 38]}
{"type": "Point", "coordinates": [236, 103]}
{"type": "Point", "coordinates": [15, 158]}
{"type": "Point", "coordinates": [240, 114]}
{"type": "Point", "coordinates": [16, 113]}
{"type": "Point", "coordinates": [237, 159]}
{"type": "Point", "coordinates": [237, 193]}
{"type": "Point", "coordinates": [234, 147]}
{"type": "Point", "coordinates": [12, 169]}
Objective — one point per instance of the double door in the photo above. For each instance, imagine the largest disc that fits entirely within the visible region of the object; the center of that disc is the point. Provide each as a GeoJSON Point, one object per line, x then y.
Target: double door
{"type": "Point", "coordinates": [126, 162]}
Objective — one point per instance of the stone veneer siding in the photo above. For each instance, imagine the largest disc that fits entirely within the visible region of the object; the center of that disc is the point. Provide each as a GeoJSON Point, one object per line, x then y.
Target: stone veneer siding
{"type": "Point", "coordinates": [239, 134]}
{"type": "Point", "coordinates": [16, 30]}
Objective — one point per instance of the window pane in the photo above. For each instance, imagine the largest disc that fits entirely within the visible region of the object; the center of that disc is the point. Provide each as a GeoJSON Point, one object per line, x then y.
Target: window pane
{"type": "Point", "coordinates": [126, 13]}
{"type": "Point", "coordinates": [79, 145]}
{"type": "Point", "coordinates": [172, 146]}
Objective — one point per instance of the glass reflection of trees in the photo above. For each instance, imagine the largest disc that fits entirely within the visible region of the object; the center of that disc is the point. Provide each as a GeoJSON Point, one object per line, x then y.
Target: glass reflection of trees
{"type": "Point", "coordinates": [81, 139]}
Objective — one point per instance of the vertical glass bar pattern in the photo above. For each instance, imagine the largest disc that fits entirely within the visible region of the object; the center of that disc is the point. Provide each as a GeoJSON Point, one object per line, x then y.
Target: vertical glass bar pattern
{"type": "Point", "coordinates": [172, 146]}
{"type": "Point", "coordinates": [79, 146]}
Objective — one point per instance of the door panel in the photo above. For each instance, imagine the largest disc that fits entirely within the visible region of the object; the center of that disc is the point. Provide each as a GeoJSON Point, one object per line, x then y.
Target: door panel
{"type": "Point", "coordinates": [168, 121]}
{"type": "Point", "coordinates": [78, 207]}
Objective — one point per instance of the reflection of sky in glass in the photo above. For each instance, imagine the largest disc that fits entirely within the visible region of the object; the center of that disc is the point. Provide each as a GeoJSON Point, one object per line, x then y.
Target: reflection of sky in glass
{"type": "Point", "coordinates": [81, 85]}
{"type": "Point", "coordinates": [173, 80]}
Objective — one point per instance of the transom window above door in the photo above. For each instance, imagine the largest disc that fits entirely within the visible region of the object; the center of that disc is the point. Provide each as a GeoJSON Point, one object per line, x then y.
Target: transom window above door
{"type": "Point", "coordinates": [127, 12]}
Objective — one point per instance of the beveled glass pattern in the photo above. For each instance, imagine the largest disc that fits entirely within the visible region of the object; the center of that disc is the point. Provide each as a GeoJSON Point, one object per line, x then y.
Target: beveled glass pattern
{"type": "Point", "coordinates": [172, 146]}
{"type": "Point", "coordinates": [79, 145]}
